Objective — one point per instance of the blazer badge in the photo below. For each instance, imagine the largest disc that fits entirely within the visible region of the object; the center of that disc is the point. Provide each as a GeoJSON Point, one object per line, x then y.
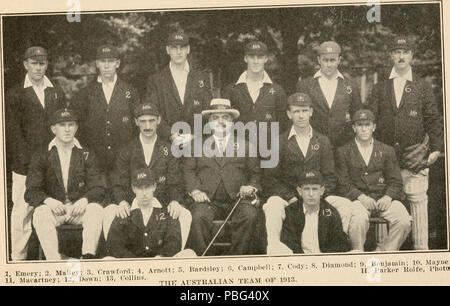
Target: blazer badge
{"type": "Point", "coordinates": [268, 117]}
{"type": "Point", "coordinates": [162, 179]}
{"type": "Point", "coordinates": [81, 185]}
{"type": "Point", "coordinates": [125, 119]}
{"type": "Point", "coordinates": [272, 91]}
{"type": "Point", "coordinates": [413, 113]}
{"type": "Point", "coordinates": [196, 102]}
{"type": "Point", "coordinates": [381, 180]}
{"type": "Point", "coordinates": [316, 147]}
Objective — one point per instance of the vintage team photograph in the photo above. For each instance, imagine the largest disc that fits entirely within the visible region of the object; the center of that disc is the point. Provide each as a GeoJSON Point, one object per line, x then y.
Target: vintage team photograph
{"type": "Point", "coordinates": [270, 131]}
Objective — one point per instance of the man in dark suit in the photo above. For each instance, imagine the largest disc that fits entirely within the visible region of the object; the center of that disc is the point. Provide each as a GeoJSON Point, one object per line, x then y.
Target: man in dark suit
{"type": "Point", "coordinates": [28, 107]}
{"type": "Point", "coordinates": [312, 225]}
{"type": "Point", "coordinates": [254, 95]}
{"type": "Point", "coordinates": [334, 97]}
{"type": "Point", "coordinates": [149, 230]}
{"type": "Point", "coordinates": [64, 186]}
{"type": "Point", "coordinates": [179, 91]}
{"type": "Point", "coordinates": [105, 108]}
{"type": "Point", "coordinates": [369, 175]}
{"type": "Point", "coordinates": [406, 111]}
{"type": "Point", "coordinates": [215, 180]}
{"type": "Point", "coordinates": [148, 150]}
{"type": "Point", "coordinates": [302, 149]}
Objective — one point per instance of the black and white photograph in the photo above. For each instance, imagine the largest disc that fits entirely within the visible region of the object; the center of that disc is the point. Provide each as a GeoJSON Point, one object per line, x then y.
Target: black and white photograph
{"type": "Point", "coordinates": [244, 135]}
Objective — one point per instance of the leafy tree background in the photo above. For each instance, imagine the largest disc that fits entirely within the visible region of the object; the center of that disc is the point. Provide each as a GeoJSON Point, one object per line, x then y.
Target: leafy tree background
{"type": "Point", "coordinates": [217, 40]}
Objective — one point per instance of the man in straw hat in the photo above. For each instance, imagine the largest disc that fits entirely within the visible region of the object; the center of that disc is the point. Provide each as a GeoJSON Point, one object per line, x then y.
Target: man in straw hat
{"type": "Point", "coordinates": [215, 181]}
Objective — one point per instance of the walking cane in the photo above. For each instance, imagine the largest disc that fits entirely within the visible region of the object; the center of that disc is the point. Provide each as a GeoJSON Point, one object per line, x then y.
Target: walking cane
{"type": "Point", "coordinates": [222, 226]}
{"type": "Point", "coordinates": [226, 220]}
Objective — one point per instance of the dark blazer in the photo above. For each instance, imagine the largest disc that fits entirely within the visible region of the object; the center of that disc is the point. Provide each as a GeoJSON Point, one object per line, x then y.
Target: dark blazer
{"type": "Point", "coordinates": [165, 166]}
{"type": "Point", "coordinates": [206, 173]}
{"type": "Point", "coordinates": [129, 238]}
{"type": "Point", "coordinates": [381, 177]}
{"type": "Point", "coordinates": [416, 115]}
{"type": "Point", "coordinates": [335, 123]}
{"type": "Point", "coordinates": [332, 238]}
{"type": "Point", "coordinates": [27, 123]}
{"type": "Point", "coordinates": [106, 128]}
{"type": "Point", "coordinates": [282, 180]}
{"type": "Point", "coordinates": [162, 91]}
{"type": "Point", "coordinates": [269, 107]}
{"type": "Point", "coordinates": [45, 178]}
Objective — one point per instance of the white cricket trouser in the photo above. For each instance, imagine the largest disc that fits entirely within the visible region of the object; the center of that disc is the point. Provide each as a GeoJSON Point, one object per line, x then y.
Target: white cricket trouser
{"type": "Point", "coordinates": [185, 220]}
{"type": "Point", "coordinates": [416, 186]}
{"type": "Point", "coordinates": [21, 216]}
{"type": "Point", "coordinates": [45, 222]}
{"type": "Point", "coordinates": [352, 221]}
{"type": "Point", "coordinates": [399, 226]}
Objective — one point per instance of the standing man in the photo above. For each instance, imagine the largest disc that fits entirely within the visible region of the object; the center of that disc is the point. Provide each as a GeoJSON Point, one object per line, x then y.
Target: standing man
{"type": "Point", "coordinates": [105, 108]}
{"type": "Point", "coordinates": [406, 112]}
{"type": "Point", "coordinates": [369, 175]}
{"type": "Point", "coordinates": [303, 149]}
{"type": "Point", "coordinates": [312, 225]}
{"type": "Point", "coordinates": [179, 91]}
{"type": "Point", "coordinates": [334, 97]}
{"type": "Point", "coordinates": [215, 182]}
{"type": "Point", "coordinates": [65, 187]}
{"type": "Point", "coordinates": [254, 94]}
{"type": "Point", "coordinates": [28, 107]}
{"type": "Point", "coordinates": [148, 151]}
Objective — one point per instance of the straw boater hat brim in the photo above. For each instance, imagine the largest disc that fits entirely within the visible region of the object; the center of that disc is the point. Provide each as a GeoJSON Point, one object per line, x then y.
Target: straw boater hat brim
{"type": "Point", "coordinates": [221, 106]}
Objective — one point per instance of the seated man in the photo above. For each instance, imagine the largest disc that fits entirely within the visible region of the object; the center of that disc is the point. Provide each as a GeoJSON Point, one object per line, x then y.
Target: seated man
{"type": "Point", "coordinates": [150, 151]}
{"type": "Point", "coordinates": [149, 231]}
{"type": "Point", "coordinates": [64, 185]}
{"type": "Point", "coordinates": [369, 175]}
{"type": "Point", "coordinates": [216, 180]}
{"type": "Point", "coordinates": [312, 225]}
{"type": "Point", "coordinates": [303, 149]}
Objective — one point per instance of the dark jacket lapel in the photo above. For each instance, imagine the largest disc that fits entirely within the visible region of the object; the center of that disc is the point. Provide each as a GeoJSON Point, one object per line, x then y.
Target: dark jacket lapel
{"type": "Point", "coordinates": [100, 99]}
{"type": "Point", "coordinates": [318, 93]}
{"type": "Point", "coordinates": [116, 92]}
{"type": "Point", "coordinates": [314, 146]}
{"type": "Point", "coordinates": [293, 146]}
{"type": "Point", "coordinates": [322, 227]}
{"type": "Point", "coordinates": [54, 161]}
{"type": "Point", "coordinates": [156, 155]}
{"type": "Point", "coordinates": [32, 96]}
{"type": "Point", "coordinates": [171, 83]}
{"type": "Point", "coordinates": [75, 160]}
{"type": "Point", "coordinates": [392, 95]}
{"type": "Point", "coordinates": [340, 93]}
{"type": "Point", "coordinates": [137, 219]}
{"type": "Point", "coordinates": [406, 92]}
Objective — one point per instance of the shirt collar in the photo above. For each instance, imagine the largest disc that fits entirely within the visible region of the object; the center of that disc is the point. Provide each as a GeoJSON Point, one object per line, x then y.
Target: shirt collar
{"type": "Point", "coordinates": [147, 144]}
{"type": "Point", "coordinates": [155, 204]}
{"type": "Point", "coordinates": [186, 66]}
{"type": "Point", "coordinates": [243, 78]}
{"type": "Point", "coordinates": [314, 210]}
{"type": "Point", "coordinates": [27, 83]}
{"type": "Point", "coordinates": [99, 79]}
{"type": "Point", "coordinates": [319, 75]}
{"type": "Point", "coordinates": [359, 145]}
{"type": "Point", "coordinates": [408, 76]}
{"type": "Point", "coordinates": [294, 133]}
{"type": "Point", "coordinates": [53, 143]}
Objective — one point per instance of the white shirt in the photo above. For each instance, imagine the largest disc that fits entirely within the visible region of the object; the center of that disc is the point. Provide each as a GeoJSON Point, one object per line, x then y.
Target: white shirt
{"type": "Point", "coordinates": [180, 78]}
{"type": "Point", "coordinates": [254, 87]}
{"type": "Point", "coordinates": [39, 90]}
{"type": "Point", "coordinates": [108, 87]}
{"type": "Point", "coordinates": [302, 141]}
{"type": "Point", "coordinates": [148, 148]}
{"type": "Point", "coordinates": [146, 214]}
{"type": "Point", "coordinates": [366, 152]}
{"type": "Point", "coordinates": [221, 143]}
{"type": "Point", "coordinates": [310, 234]}
{"type": "Point", "coordinates": [399, 83]}
{"type": "Point", "coordinates": [64, 158]}
{"type": "Point", "coordinates": [328, 86]}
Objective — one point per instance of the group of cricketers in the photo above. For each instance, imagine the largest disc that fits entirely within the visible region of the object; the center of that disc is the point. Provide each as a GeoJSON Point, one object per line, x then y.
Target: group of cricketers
{"type": "Point", "coordinates": [105, 159]}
